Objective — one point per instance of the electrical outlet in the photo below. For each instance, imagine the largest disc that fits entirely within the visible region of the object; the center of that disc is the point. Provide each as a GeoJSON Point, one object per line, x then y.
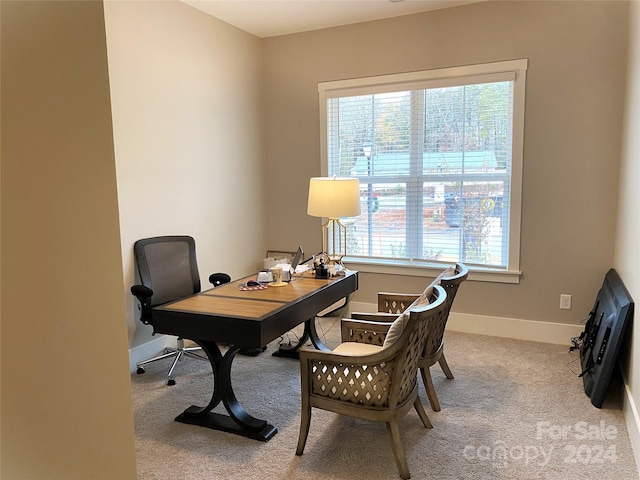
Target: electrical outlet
{"type": "Point", "coordinates": [565, 301]}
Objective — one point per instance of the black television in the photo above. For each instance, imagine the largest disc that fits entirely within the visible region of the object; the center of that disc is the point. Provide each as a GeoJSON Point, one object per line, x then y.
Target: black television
{"type": "Point", "coordinates": [602, 337]}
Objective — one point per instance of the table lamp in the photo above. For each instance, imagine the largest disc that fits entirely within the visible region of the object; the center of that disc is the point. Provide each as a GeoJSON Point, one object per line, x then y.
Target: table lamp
{"type": "Point", "coordinates": [333, 198]}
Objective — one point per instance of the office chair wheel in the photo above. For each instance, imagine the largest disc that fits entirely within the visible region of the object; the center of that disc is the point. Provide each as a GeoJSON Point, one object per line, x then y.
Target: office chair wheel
{"type": "Point", "coordinates": [140, 370]}
{"type": "Point", "coordinates": [171, 382]}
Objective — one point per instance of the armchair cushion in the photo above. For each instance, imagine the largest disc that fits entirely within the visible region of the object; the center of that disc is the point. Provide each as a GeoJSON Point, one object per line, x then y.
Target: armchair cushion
{"type": "Point", "coordinates": [356, 348]}
{"type": "Point", "coordinates": [398, 324]}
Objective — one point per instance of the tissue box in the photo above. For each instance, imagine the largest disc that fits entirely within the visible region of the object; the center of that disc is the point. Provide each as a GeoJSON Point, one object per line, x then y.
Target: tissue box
{"type": "Point", "coordinates": [265, 277]}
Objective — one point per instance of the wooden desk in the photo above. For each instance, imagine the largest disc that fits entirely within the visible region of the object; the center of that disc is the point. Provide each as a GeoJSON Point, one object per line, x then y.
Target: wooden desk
{"type": "Point", "coordinates": [245, 319]}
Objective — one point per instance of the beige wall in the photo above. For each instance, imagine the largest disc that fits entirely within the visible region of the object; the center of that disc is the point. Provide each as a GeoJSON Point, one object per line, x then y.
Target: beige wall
{"type": "Point", "coordinates": [186, 95]}
{"type": "Point", "coordinates": [574, 96]}
{"type": "Point", "coordinates": [627, 258]}
{"type": "Point", "coordinates": [190, 158]}
{"type": "Point", "coordinates": [66, 395]}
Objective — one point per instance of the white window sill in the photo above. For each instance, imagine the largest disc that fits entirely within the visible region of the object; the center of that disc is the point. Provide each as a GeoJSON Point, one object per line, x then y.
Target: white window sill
{"type": "Point", "coordinates": [412, 269]}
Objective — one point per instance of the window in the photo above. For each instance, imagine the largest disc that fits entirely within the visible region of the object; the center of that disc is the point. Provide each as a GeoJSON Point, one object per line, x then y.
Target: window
{"type": "Point", "coordinates": [438, 155]}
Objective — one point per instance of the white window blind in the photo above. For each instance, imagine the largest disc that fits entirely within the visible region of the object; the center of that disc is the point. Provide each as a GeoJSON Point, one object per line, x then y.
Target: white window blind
{"type": "Point", "coordinates": [439, 159]}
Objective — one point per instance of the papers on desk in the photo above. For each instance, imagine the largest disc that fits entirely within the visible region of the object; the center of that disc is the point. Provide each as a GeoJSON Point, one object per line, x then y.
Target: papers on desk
{"type": "Point", "coordinates": [287, 270]}
{"type": "Point", "coordinates": [286, 267]}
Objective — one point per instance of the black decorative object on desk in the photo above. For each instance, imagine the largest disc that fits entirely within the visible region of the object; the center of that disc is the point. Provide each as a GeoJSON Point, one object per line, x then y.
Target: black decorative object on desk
{"type": "Point", "coordinates": [320, 269]}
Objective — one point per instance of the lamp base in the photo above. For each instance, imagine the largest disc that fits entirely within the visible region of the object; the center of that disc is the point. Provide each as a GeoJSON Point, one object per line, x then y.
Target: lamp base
{"type": "Point", "coordinates": [334, 240]}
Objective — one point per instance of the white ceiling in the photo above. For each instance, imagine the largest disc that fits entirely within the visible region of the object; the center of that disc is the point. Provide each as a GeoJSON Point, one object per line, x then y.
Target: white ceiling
{"type": "Point", "coordinates": [268, 18]}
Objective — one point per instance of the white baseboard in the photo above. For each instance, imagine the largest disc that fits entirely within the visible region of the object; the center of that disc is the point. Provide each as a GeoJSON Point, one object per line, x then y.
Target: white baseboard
{"type": "Point", "coordinates": [535, 331]}
{"type": "Point", "coordinates": [149, 350]}
{"type": "Point", "coordinates": [631, 418]}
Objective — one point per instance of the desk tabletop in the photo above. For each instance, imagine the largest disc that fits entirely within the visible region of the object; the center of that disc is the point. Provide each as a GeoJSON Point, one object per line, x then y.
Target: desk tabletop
{"type": "Point", "coordinates": [251, 318]}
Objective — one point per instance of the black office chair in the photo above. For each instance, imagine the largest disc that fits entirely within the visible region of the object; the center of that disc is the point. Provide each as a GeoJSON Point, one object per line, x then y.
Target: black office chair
{"type": "Point", "coordinates": [168, 271]}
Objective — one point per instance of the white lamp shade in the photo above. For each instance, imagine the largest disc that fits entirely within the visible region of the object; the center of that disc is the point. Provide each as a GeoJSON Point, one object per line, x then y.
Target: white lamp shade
{"type": "Point", "coordinates": [334, 197]}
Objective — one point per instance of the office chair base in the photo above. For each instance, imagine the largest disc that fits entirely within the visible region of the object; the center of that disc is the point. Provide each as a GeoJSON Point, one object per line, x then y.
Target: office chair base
{"type": "Point", "coordinates": [178, 353]}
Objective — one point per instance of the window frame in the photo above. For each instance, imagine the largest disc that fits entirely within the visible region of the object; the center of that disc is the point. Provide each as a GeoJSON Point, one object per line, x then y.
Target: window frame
{"type": "Point", "coordinates": [512, 70]}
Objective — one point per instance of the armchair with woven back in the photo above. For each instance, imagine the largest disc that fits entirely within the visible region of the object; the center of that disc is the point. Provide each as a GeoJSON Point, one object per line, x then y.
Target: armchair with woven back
{"type": "Point", "coordinates": [392, 304]}
{"type": "Point", "coordinates": [365, 379]}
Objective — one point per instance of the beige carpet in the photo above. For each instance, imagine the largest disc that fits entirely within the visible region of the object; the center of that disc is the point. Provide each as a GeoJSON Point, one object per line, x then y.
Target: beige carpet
{"type": "Point", "coordinates": [514, 411]}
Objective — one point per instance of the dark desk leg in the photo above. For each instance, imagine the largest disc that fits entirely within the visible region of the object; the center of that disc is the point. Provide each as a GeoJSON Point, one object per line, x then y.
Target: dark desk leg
{"type": "Point", "coordinates": [238, 421]}
{"type": "Point", "coordinates": [310, 326]}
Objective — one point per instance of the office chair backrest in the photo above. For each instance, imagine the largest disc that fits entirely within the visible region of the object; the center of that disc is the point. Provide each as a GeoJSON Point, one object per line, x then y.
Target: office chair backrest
{"type": "Point", "coordinates": [167, 265]}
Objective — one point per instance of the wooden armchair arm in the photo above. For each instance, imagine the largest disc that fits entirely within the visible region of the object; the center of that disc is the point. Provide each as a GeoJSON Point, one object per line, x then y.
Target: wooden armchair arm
{"type": "Point", "coordinates": [374, 317]}
{"type": "Point", "coordinates": [362, 331]}
{"type": "Point", "coordinates": [395, 302]}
